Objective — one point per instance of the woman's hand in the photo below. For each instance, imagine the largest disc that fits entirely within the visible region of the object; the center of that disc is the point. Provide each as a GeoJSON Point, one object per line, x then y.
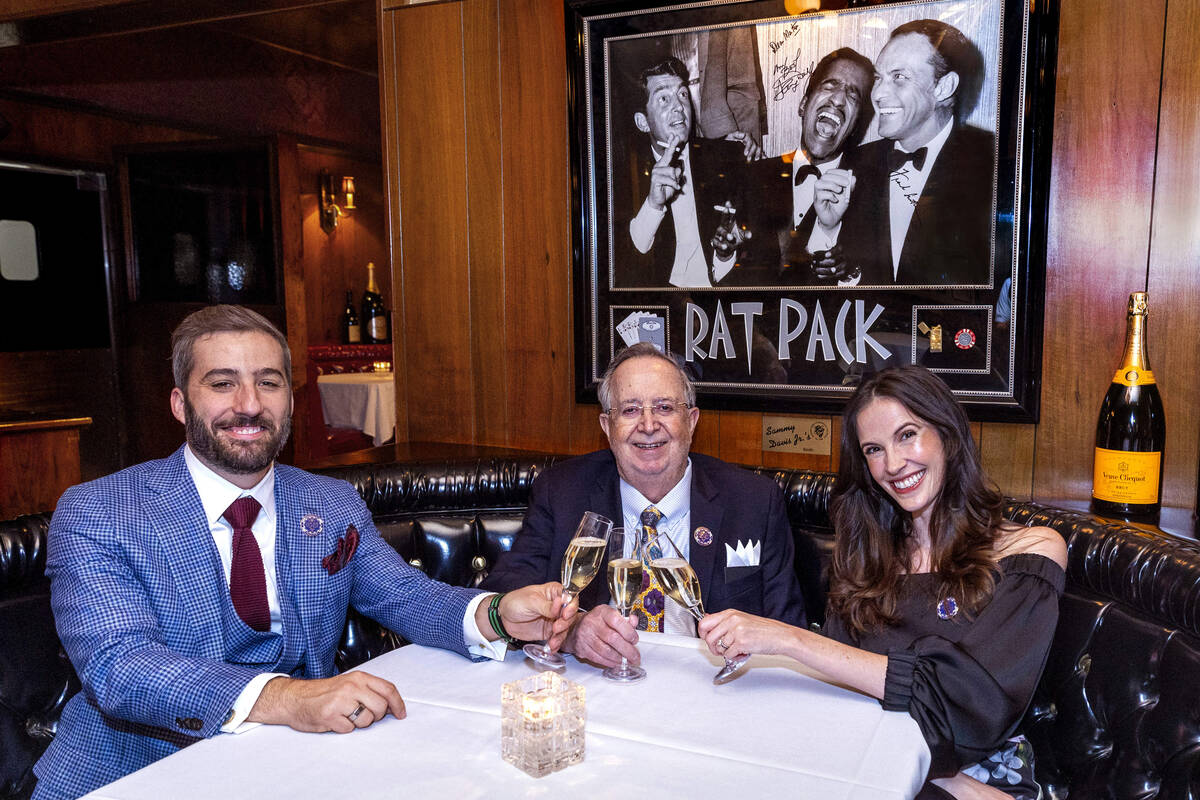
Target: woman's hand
{"type": "Point", "coordinates": [732, 633]}
{"type": "Point", "coordinates": [964, 787]}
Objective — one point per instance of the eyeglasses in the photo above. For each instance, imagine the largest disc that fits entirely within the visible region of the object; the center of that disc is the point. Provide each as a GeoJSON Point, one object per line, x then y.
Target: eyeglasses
{"type": "Point", "coordinates": [662, 409]}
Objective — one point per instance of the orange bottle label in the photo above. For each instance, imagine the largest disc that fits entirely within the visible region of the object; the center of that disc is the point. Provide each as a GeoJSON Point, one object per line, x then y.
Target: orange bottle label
{"type": "Point", "coordinates": [1123, 476]}
{"type": "Point", "coordinates": [1134, 377]}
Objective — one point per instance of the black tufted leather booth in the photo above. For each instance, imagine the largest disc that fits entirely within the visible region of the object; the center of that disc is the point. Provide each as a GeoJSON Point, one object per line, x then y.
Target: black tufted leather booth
{"type": "Point", "coordinates": [1117, 714]}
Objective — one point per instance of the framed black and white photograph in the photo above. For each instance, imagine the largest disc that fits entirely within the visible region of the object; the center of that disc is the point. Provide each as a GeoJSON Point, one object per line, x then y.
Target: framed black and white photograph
{"type": "Point", "coordinates": [791, 201]}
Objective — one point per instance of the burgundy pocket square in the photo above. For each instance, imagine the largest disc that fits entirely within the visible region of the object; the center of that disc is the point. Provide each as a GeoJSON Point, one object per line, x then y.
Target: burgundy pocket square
{"type": "Point", "coordinates": [340, 557]}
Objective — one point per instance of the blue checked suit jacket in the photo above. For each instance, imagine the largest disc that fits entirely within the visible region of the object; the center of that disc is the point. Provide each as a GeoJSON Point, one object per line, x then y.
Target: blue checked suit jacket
{"type": "Point", "coordinates": [138, 594]}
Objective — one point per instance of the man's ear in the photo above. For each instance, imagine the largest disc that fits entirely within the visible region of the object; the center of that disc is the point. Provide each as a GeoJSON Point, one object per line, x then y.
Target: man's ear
{"type": "Point", "coordinates": [803, 105]}
{"type": "Point", "coordinates": [642, 123]}
{"type": "Point", "coordinates": [945, 87]}
{"type": "Point", "coordinates": [604, 421]}
{"type": "Point", "coordinates": [178, 402]}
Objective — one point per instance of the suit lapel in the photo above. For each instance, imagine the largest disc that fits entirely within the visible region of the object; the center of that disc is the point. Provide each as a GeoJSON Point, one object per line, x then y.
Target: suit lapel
{"type": "Point", "coordinates": [302, 587]}
{"type": "Point", "coordinates": [176, 516]}
{"type": "Point", "coordinates": [605, 498]}
{"type": "Point", "coordinates": [706, 512]}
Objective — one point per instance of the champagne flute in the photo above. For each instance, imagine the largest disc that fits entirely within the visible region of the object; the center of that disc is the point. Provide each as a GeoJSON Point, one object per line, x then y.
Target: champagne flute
{"type": "Point", "coordinates": [624, 584]}
{"type": "Point", "coordinates": [581, 562]}
{"type": "Point", "coordinates": [678, 579]}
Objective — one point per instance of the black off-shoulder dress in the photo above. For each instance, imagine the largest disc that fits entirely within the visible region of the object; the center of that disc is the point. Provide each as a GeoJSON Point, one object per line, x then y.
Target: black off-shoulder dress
{"type": "Point", "coordinates": [967, 681]}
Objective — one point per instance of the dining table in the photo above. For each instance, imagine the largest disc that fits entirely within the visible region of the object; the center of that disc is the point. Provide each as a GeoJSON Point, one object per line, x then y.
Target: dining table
{"type": "Point", "coordinates": [776, 730]}
{"type": "Point", "coordinates": [365, 401]}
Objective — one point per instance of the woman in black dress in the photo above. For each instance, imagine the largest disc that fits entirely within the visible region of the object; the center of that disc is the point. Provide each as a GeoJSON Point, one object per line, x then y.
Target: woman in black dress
{"type": "Point", "coordinates": [937, 605]}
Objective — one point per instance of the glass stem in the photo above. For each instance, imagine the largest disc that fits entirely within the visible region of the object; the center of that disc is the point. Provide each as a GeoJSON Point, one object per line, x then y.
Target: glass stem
{"type": "Point", "coordinates": [566, 602]}
{"type": "Point", "coordinates": [624, 661]}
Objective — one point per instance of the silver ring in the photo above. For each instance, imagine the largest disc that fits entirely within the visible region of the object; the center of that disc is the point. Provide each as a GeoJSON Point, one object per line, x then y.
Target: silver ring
{"type": "Point", "coordinates": [721, 644]}
{"type": "Point", "coordinates": [353, 715]}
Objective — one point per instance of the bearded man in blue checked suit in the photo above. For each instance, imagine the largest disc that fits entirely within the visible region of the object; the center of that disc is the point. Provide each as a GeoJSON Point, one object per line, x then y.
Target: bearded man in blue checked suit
{"type": "Point", "coordinates": [206, 592]}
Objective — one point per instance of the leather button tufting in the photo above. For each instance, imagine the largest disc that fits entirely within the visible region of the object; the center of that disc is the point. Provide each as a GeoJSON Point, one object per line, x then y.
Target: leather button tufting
{"type": "Point", "coordinates": [1085, 665]}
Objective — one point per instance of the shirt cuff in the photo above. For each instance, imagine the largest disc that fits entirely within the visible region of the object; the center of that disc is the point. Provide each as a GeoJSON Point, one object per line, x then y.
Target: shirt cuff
{"type": "Point", "coordinates": [476, 643]}
{"type": "Point", "coordinates": [644, 226]}
{"type": "Point", "coordinates": [236, 721]}
{"type": "Point", "coordinates": [898, 680]}
{"type": "Point", "coordinates": [821, 239]}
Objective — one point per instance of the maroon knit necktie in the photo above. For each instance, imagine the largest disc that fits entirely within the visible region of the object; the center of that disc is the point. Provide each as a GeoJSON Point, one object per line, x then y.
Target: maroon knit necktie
{"type": "Point", "coordinates": [247, 581]}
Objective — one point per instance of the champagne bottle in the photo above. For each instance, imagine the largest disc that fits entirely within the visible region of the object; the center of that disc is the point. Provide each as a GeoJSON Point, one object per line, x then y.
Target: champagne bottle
{"type": "Point", "coordinates": [1131, 431]}
{"type": "Point", "coordinates": [374, 317]}
{"type": "Point", "coordinates": [351, 331]}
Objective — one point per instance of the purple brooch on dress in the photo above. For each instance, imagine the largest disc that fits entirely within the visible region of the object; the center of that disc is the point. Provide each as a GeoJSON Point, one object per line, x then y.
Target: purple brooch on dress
{"type": "Point", "coordinates": [312, 525]}
{"type": "Point", "coordinates": [947, 608]}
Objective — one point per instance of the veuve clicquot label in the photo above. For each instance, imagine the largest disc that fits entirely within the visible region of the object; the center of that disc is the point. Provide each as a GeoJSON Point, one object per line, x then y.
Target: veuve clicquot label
{"type": "Point", "coordinates": [1126, 476]}
{"type": "Point", "coordinates": [1134, 377]}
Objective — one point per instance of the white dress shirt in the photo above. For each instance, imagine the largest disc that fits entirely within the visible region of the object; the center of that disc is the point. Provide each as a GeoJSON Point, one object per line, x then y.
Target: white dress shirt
{"type": "Point", "coordinates": [676, 508]}
{"type": "Point", "coordinates": [804, 193]}
{"type": "Point", "coordinates": [216, 495]}
{"type": "Point", "coordinates": [905, 187]}
{"type": "Point", "coordinates": [690, 269]}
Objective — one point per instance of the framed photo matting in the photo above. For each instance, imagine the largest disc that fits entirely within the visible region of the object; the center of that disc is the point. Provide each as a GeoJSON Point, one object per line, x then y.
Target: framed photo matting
{"type": "Point", "coordinates": [790, 201]}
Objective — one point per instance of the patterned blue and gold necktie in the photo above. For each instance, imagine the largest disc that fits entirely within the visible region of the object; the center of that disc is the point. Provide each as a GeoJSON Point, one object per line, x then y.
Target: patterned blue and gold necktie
{"type": "Point", "coordinates": [650, 601]}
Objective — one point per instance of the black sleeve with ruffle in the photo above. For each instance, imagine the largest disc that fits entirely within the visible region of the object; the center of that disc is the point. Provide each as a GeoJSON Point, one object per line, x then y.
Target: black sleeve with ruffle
{"type": "Point", "coordinates": [968, 695]}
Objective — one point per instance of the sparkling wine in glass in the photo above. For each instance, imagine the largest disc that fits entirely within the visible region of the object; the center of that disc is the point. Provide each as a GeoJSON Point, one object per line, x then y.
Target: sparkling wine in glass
{"type": "Point", "coordinates": [585, 553]}
{"type": "Point", "coordinates": [624, 584]}
{"type": "Point", "coordinates": [679, 581]}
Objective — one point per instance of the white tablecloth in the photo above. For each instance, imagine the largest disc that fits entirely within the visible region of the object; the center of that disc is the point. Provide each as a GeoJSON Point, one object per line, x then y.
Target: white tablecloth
{"type": "Point", "coordinates": [773, 732]}
{"type": "Point", "coordinates": [362, 400]}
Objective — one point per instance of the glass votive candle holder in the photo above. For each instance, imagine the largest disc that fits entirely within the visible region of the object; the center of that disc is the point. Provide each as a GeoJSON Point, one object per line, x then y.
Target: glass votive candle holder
{"type": "Point", "coordinates": [542, 720]}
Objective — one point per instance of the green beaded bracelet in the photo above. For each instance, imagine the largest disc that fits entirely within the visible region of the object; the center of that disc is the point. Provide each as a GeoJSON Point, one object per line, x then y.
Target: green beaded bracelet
{"type": "Point", "coordinates": [497, 623]}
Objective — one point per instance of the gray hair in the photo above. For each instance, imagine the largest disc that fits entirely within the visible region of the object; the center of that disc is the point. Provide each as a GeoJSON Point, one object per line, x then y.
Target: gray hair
{"type": "Point", "coordinates": [643, 350]}
{"type": "Point", "coordinates": [219, 319]}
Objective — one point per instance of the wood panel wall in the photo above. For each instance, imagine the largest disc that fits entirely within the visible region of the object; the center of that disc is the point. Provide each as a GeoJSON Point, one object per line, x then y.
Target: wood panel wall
{"type": "Point", "coordinates": [479, 202]}
{"type": "Point", "coordinates": [335, 263]}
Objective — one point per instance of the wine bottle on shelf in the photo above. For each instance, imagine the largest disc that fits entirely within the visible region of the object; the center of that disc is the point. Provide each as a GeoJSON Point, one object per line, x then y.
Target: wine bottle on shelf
{"type": "Point", "coordinates": [351, 331]}
{"type": "Point", "coordinates": [1130, 431]}
{"type": "Point", "coordinates": [374, 316]}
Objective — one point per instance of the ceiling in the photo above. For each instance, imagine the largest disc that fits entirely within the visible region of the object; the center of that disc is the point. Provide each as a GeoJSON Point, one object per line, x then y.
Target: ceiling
{"type": "Point", "coordinates": [340, 32]}
{"type": "Point", "coordinates": [306, 68]}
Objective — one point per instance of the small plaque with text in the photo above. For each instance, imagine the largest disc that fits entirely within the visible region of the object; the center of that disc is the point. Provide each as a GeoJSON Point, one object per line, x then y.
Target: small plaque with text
{"type": "Point", "coordinates": [811, 435]}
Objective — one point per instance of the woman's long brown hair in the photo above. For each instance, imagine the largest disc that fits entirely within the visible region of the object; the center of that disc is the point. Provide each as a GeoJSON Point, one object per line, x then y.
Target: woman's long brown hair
{"type": "Point", "coordinates": [872, 548]}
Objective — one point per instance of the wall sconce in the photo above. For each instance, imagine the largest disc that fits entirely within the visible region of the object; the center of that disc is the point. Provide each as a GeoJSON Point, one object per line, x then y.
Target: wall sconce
{"type": "Point", "coordinates": [331, 211]}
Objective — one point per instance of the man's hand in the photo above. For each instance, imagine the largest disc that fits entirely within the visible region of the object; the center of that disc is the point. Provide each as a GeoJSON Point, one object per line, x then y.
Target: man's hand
{"type": "Point", "coordinates": [326, 704]}
{"type": "Point", "coordinates": [602, 636]}
{"type": "Point", "coordinates": [751, 149]}
{"type": "Point", "coordinates": [830, 266]}
{"type": "Point", "coordinates": [832, 196]}
{"type": "Point", "coordinates": [535, 613]}
{"type": "Point", "coordinates": [666, 179]}
{"type": "Point", "coordinates": [727, 239]}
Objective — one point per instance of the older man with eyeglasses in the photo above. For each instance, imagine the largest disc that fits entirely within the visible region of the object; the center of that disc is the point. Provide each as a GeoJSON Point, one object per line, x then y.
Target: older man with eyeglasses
{"type": "Point", "coordinates": [729, 523]}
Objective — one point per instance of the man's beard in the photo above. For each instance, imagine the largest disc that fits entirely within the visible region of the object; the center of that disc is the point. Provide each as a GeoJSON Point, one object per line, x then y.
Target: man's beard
{"type": "Point", "coordinates": [239, 458]}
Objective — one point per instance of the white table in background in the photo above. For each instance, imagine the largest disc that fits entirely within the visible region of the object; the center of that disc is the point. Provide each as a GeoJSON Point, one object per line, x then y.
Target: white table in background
{"type": "Point", "coordinates": [773, 732]}
{"type": "Point", "coordinates": [365, 401]}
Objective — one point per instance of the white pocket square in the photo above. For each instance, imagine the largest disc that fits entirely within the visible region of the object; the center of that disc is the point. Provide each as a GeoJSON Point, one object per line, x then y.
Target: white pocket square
{"type": "Point", "coordinates": [747, 554]}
